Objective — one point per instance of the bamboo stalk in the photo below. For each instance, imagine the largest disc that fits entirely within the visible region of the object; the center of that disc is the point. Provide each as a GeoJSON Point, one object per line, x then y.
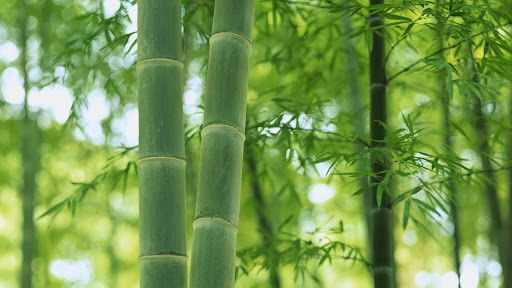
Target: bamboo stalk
{"type": "Point", "coordinates": [507, 231]}
{"type": "Point", "coordinates": [382, 226]}
{"type": "Point", "coordinates": [450, 184]}
{"type": "Point", "coordinates": [484, 150]}
{"type": "Point", "coordinates": [352, 73]}
{"type": "Point", "coordinates": [265, 224]}
{"type": "Point", "coordinates": [220, 169]}
{"type": "Point", "coordinates": [451, 187]}
{"type": "Point", "coordinates": [30, 159]}
{"type": "Point", "coordinates": [162, 231]}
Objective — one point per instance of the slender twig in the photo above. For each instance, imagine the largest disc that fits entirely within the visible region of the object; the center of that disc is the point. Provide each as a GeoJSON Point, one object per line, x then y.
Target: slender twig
{"type": "Point", "coordinates": [439, 52]}
{"type": "Point", "coordinates": [426, 184]}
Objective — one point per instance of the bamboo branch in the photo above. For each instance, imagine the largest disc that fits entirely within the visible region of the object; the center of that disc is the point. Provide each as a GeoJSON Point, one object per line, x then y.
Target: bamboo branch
{"type": "Point", "coordinates": [428, 184]}
{"type": "Point", "coordinates": [438, 52]}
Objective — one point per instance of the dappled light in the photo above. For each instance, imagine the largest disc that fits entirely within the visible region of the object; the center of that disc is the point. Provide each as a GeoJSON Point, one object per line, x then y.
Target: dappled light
{"type": "Point", "coordinates": [254, 144]}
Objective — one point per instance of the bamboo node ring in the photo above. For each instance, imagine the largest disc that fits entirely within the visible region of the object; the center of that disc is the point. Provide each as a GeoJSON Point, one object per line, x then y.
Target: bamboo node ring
{"type": "Point", "coordinates": [163, 256]}
{"type": "Point", "coordinates": [172, 158]}
{"type": "Point", "coordinates": [221, 125]}
{"type": "Point", "coordinates": [247, 41]}
{"type": "Point", "coordinates": [216, 219]}
{"type": "Point", "coordinates": [169, 60]}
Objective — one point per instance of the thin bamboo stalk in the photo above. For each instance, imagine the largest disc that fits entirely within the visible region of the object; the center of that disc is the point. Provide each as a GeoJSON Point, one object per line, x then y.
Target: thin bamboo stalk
{"type": "Point", "coordinates": [352, 74]}
{"type": "Point", "coordinates": [30, 159]}
{"type": "Point", "coordinates": [162, 231]}
{"type": "Point", "coordinates": [220, 168]}
{"type": "Point", "coordinates": [484, 150]}
{"type": "Point", "coordinates": [450, 184]}
{"type": "Point", "coordinates": [382, 226]}
{"type": "Point", "coordinates": [507, 233]}
{"type": "Point", "coordinates": [265, 224]}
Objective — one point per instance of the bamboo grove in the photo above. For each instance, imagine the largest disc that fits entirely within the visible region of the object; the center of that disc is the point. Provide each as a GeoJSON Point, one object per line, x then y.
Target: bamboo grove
{"type": "Point", "coordinates": [280, 143]}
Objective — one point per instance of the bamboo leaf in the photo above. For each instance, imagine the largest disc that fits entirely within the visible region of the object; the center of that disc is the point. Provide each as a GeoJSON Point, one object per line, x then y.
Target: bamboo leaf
{"type": "Point", "coordinates": [405, 220]}
{"type": "Point", "coordinates": [380, 189]}
{"type": "Point", "coordinates": [395, 17]}
{"type": "Point", "coordinates": [415, 190]}
{"type": "Point", "coordinates": [408, 29]}
{"type": "Point", "coordinates": [449, 83]}
{"type": "Point", "coordinates": [425, 206]}
{"type": "Point", "coordinates": [364, 189]}
{"type": "Point", "coordinates": [55, 208]}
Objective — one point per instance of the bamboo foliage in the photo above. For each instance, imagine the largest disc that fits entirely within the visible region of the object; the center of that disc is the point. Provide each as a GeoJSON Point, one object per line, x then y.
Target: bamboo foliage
{"type": "Point", "coordinates": [381, 214]}
{"type": "Point", "coordinates": [162, 232]}
{"type": "Point", "coordinates": [218, 198]}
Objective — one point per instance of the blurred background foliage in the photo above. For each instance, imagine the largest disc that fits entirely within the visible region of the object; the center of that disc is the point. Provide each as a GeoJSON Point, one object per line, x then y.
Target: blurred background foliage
{"type": "Point", "coordinates": [67, 69]}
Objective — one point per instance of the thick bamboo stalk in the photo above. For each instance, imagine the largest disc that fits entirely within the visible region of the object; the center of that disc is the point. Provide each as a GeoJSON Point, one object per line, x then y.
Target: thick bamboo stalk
{"type": "Point", "coordinates": [382, 226]}
{"type": "Point", "coordinates": [162, 232]}
{"type": "Point", "coordinates": [220, 168]}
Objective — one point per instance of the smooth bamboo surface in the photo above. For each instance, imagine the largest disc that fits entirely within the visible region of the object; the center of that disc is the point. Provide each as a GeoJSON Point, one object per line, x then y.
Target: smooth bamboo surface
{"type": "Point", "coordinates": [220, 167]}
{"type": "Point", "coordinates": [381, 218]}
{"type": "Point", "coordinates": [162, 231]}
{"type": "Point", "coordinates": [30, 155]}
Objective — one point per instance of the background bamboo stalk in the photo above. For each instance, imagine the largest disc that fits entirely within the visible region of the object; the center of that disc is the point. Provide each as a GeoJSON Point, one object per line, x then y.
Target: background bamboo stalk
{"type": "Point", "coordinates": [220, 168]}
{"type": "Point", "coordinates": [30, 159]}
{"type": "Point", "coordinates": [162, 232]}
{"type": "Point", "coordinates": [382, 226]}
{"type": "Point", "coordinates": [451, 186]}
{"type": "Point", "coordinates": [507, 233]}
{"type": "Point", "coordinates": [483, 151]}
{"type": "Point", "coordinates": [445, 100]}
{"type": "Point", "coordinates": [353, 70]}
{"type": "Point", "coordinates": [265, 224]}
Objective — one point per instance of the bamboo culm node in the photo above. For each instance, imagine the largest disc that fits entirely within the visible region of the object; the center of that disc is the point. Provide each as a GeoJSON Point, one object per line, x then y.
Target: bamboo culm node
{"type": "Point", "coordinates": [220, 168]}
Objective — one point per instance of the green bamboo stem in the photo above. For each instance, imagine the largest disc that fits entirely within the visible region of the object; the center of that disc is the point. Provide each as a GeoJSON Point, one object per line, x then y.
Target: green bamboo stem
{"type": "Point", "coordinates": [162, 231]}
{"type": "Point", "coordinates": [507, 230]}
{"type": "Point", "coordinates": [114, 261]}
{"type": "Point", "coordinates": [484, 150]}
{"type": "Point", "coordinates": [382, 226]}
{"type": "Point", "coordinates": [265, 224]}
{"type": "Point", "coordinates": [352, 73]}
{"type": "Point", "coordinates": [30, 159]}
{"type": "Point", "coordinates": [490, 180]}
{"type": "Point", "coordinates": [220, 169]}
{"type": "Point", "coordinates": [450, 184]}
{"type": "Point", "coordinates": [451, 187]}
{"type": "Point", "coordinates": [507, 233]}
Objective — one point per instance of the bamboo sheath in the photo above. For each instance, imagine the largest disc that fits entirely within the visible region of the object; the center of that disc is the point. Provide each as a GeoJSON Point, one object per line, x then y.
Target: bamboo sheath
{"type": "Point", "coordinates": [162, 231]}
{"type": "Point", "coordinates": [381, 218]}
{"type": "Point", "coordinates": [220, 167]}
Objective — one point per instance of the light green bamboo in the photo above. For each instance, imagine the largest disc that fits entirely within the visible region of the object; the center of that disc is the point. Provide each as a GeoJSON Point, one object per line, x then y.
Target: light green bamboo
{"type": "Point", "coordinates": [382, 226]}
{"type": "Point", "coordinates": [162, 233]}
{"type": "Point", "coordinates": [220, 167]}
